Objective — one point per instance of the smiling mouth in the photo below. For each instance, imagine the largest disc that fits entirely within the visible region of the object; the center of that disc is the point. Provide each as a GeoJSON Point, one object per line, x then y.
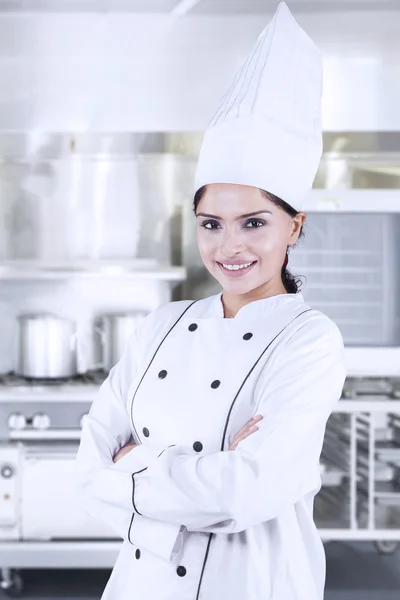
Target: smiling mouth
{"type": "Point", "coordinates": [236, 270]}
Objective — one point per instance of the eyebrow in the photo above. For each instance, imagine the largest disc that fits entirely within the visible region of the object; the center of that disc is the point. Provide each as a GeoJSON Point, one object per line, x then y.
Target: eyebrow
{"type": "Point", "coordinates": [253, 214]}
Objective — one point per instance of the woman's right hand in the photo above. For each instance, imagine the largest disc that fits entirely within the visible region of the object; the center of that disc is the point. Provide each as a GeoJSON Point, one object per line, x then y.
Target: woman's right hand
{"type": "Point", "coordinates": [248, 429]}
{"type": "Point", "coordinates": [122, 451]}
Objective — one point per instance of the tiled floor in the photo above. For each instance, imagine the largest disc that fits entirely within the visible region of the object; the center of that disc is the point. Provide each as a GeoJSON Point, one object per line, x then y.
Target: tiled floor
{"type": "Point", "coordinates": [354, 572]}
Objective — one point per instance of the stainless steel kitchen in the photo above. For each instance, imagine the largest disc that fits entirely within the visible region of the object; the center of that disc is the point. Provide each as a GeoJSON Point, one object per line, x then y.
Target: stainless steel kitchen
{"type": "Point", "coordinates": [103, 113]}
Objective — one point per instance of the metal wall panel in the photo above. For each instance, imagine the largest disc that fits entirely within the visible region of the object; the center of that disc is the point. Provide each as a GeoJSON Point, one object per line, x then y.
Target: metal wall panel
{"type": "Point", "coordinates": [130, 73]}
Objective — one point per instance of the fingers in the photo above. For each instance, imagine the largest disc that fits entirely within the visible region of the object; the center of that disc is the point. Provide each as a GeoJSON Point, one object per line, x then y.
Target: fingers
{"type": "Point", "coordinates": [249, 428]}
{"type": "Point", "coordinates": [242, 437]}
{"type": "Point", "coordinates": [122, 451]}
{"type": "Point", "coordinates": [243, 433]}
{"type": "Point", "coordinates": [253, 421]}
{"type": "Point", "coordinates": [250, 424]}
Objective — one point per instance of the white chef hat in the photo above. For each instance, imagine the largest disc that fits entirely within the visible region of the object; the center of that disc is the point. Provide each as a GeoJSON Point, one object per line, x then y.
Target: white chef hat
{"type": "Point", "coordinates": [266, 131]}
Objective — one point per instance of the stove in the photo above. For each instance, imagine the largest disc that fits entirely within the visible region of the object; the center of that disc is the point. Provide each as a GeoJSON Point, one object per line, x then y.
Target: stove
{"type": "Point", "coordinates": [33, 409]}
{"type": "Point", "coordinates": [13, 380]}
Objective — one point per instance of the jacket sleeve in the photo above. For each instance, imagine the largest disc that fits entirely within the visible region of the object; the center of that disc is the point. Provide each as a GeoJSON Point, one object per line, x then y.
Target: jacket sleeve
{"type": "Point", "coordinates": [106, 487]}
{"type": "Point", "coordinates": [272, 469]}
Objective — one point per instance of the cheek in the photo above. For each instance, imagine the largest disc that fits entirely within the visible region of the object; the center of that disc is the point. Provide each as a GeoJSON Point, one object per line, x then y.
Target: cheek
{"type": "Point", "coordinates": [261, 240]}
{"type": "Point", "coordinates": [267, 242]}
{"type": "Point", "coordinates": [206, 242]}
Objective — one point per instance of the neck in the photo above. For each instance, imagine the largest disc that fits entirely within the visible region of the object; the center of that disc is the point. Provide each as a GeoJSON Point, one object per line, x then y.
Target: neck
{"type": "Point", "coordinates": [234, 302]}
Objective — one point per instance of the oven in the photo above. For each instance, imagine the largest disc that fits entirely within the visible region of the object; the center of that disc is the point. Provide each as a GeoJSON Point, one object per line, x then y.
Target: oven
{"type": "Point", "coordinates": [42, 521]}
{"type": "Point", "coordinates": [349, 261]}
{"type": "Point", "coordinates": [39, 496]}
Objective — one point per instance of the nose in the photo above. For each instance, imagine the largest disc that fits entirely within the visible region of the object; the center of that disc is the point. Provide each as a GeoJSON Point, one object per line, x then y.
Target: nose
{"type": "Point", "coordinates": [232, 243]}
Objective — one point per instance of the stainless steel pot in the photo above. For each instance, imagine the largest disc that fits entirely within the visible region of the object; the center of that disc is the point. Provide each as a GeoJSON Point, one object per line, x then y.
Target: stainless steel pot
{"type": "Point", "coordinates": [115, 330]}
{"type": "Point", "coordinates": [47, 347]}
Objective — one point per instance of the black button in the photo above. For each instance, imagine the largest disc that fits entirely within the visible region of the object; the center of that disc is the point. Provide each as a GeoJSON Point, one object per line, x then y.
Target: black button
{"type": "Point", "coordinates": [215, 384]}
{"type": "Point", "coordinates": [146, 432]}
{"type": "Point", "coordinates": [198, 446]}
{"type": "Point", "coordinates": [247, 336]}
{"type": "Point", "coordinates": [162, 374]}
{"type": "Point", "coordinates": [193, 327]}
{"type": "Point", "coordinates": [137, 553]}
{"type": "Point", "coordinates": [181, 571]}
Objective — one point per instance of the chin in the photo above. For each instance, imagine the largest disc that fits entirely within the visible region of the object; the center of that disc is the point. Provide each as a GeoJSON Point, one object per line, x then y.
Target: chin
{"type": "Point", "coordinates": [237, 288]}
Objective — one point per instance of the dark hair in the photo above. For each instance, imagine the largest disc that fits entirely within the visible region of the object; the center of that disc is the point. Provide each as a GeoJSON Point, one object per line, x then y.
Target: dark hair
{"type": "Point", "coordinates": [291, 282]}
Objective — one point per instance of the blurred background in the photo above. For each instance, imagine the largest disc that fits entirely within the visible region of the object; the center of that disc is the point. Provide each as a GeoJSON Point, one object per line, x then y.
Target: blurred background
{"type": "Point", "coordinates": [103, 106]}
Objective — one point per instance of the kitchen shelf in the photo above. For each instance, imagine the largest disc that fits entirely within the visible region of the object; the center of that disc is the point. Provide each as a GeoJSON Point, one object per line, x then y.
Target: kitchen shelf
{"type": "Point", "coordinates": [388, 489]}
{"type": "Point", "coordinates": [104, 269]}
{"type": "Point", "coordinates": [388, 452]}
{"type": "Point", "coordinates": [386, 493]}
{"type": "Point", "coordinates": [342, 286]}
{"type": "Point", "coordinates": [39, 435]}
{"type": "Point", "coordinates": [332, 477]}
{"type": "Point", "coordinates": [353, 200]}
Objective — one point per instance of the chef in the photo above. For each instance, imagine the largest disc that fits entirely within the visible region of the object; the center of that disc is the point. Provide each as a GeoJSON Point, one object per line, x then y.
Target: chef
{"type": "Point", "coordinates": [202, 447]}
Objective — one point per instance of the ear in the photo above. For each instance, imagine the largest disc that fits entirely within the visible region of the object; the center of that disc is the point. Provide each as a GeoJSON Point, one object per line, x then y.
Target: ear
{"type": "Point", "coordinates": [295, 227]}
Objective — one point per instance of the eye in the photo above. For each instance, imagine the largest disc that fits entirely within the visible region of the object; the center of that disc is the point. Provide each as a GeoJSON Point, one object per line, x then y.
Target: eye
{"type": "Point", "coordinates": [254, 223]}
{"type": "Point", "coordinates": [211, 225]}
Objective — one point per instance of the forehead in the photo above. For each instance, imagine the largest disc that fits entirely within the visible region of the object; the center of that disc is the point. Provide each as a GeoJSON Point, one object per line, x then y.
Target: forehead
{"type": "Point", "coordinates": [225, 199]}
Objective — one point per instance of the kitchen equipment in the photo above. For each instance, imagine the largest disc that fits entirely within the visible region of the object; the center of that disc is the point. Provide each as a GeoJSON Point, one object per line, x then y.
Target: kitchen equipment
{"type": "Point", "coordinates": [47, 347]}
{"type": "Point", "coordinates": [350, 261]}
{"type": "Point", "coordinates": [84, 206]}
{"type": "Point", "coordinates": [102, 195]}
{"type": "Point", "coordinates": [42, 520]}
{"type": "Point", "coordinates": [114, 331]}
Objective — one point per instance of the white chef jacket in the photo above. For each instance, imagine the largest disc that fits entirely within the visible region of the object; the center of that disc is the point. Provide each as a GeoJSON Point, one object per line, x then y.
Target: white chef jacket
{"type": "Point", "coordinates": [200, 522]}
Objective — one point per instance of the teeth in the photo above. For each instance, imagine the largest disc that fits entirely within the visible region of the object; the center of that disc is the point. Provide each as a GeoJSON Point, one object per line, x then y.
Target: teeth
{"type": "Point", "coordinates": [236, 267]}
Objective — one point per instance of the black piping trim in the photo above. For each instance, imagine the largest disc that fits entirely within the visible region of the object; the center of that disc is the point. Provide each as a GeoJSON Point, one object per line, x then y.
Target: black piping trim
{"type": "Point", "coordinates": [204, 565]}
{"type": "Point", "coordinates": [129, 529]}
{"type": "Point", "coordinates": [226, 428]}
{"type": "Point", "coordinates": [150, 363]}
{"type": "Point", "coordinates": [172, 445]}
{"type": "Point", "coordinates": [133, 489]}
{"type": "Point", "coordinates": [133, 494]}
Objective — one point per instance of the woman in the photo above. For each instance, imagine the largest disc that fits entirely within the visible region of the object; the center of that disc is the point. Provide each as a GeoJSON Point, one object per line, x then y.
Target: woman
{"type": "Point", "coordinates": [227, 398]}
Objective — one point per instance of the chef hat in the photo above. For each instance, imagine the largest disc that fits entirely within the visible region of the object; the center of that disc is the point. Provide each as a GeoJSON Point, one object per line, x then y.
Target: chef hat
{"type": "Point", "coordinates": [266, 131]}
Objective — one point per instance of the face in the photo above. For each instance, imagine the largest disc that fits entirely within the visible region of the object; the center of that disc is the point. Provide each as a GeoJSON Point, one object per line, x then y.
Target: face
{"type": "Point", "coordinates": [238, 226]}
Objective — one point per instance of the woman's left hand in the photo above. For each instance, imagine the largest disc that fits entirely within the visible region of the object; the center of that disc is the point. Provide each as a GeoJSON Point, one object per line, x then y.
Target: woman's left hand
{"type": "Point", "coordinates": [122, 451]}
{"type": "Point", "coordinates": [247, 429]}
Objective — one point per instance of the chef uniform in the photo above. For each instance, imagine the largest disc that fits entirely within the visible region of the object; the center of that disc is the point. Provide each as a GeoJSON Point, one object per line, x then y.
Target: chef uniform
{"type": "Point", "coordinates": [200, 522]}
